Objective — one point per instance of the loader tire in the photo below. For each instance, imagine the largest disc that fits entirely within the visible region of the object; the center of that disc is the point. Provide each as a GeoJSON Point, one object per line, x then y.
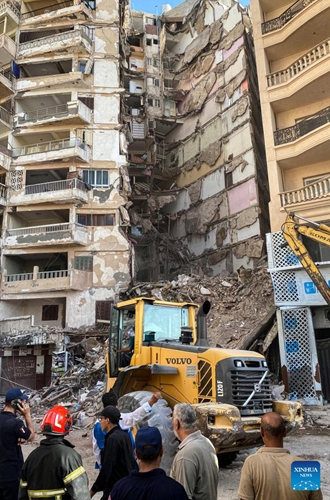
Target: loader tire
{"type": "Point", "coordinates": [160, 417]}
{"type": "Point", "coordinates": [225, 459]}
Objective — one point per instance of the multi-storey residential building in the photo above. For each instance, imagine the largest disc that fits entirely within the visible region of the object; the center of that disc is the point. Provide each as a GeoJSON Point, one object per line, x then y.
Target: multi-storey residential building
{"type": "Point", "coordinates": [292, 52]}
{"type": "Point", "coordinates": [64, 256]}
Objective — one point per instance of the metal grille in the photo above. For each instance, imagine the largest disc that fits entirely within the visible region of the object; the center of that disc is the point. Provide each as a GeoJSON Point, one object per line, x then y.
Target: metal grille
{"type": "Point", "coordinates": [244, 382]}
{"type": "Point", "coordinates": [298, 354]}
{"type": "Point", "coordinates": [285, 287]}
{"type": "Point", "coordinates": [279, 253]}
{"type": "Point", "coordinates": [205, 382]}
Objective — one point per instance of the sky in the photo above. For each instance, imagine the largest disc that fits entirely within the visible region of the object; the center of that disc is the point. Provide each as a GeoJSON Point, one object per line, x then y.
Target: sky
{"type": "Point", "coordinates": [152, 6]}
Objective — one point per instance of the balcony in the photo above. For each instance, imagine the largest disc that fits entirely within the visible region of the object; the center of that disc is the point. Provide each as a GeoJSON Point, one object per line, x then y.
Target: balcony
{"type": "Point", "coordinates": [290, 134]}
{"type": "Point", "coordinates": [65, 191]}
{"type": "Point", "coordinates": [12, 12]}
{"type": "Point", "coordinates": [48, 281]}
{"type": "Point", "coordinates": [308, 59]}
{"type": "Point", "coordinates": [50, 235]}
{"type": "Point", "coordinates": [76, 40]}
{"type": "Point", "coordinates": [5, 158]}
{"type": "Point", "coordinates": [318, 190]}
{"type": "Point", "coordinates": [285, 17]}
{"type": "Point", "coordinates": [76, 78]}
{"type": "Point", "coordinates": [3, 195]}
{"type": "Point", "coordinates": [71, 113]}
{"type": "Point", "coordinates": [7, 81]}
{"type": "Point", "coordinates": [62, 149]}
{"type": "Point", "coordinates": [6, 120]}
{"type": "Point", "coordinates": [53, 13]}
{"type": "Point", "coordinates": [7, 49]}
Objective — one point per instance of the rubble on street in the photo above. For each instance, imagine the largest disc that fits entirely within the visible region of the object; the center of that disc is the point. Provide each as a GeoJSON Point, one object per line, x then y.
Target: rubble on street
{"type": "Point", "coordinates": [242, 316]}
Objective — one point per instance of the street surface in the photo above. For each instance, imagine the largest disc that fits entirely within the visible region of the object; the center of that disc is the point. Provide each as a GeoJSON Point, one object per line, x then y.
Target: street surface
{"type": "Point", "coordinates": [312, 444]}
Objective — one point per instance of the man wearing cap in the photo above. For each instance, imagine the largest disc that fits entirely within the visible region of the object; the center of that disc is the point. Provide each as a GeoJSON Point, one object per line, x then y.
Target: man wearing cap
{"type": "Point", "coordinates": [150, 481]}
{"type": "Point", "coordinates": [127, 420]}
{"type": "Point", "coordinates": [118, 459]}
{"type": "Point", "coordinates": [12, 433]}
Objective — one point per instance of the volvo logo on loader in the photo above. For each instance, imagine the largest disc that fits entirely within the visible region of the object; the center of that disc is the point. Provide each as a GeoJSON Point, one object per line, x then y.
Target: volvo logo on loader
{"type": "Point", "coordinates": [178, 361]}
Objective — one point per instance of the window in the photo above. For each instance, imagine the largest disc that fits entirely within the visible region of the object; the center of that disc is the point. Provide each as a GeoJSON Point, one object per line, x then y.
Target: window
{"type": "Point", "coordinates": [151, 21]}
{"type": "Point", "coordinates": [83, 262]}
{"type": "Point", "coordinates": [49, 312]}
{"type": "Point", "coordinates": [149, 41]}
{"type": "Point", "coordinates": [102, 310]}
{"type": "Point", "coordinates": [96, 219]}
{"type": "Point", "coordinates": [151, 124]}
{"type": "Point", "coordinates": [229, 179]}
{"type": "Point", "coordinates": [157, 103]}
{"type": "Point", "coordinates": [155, 41]}
{"type": "Point", "coordinates": [156, 82]}
{"type": "Point", "coordinates": [149, 61]}
{"type": "Point", "coordinates": [150, 102]}
{"type": "Point", "coordinates": [96, 178]}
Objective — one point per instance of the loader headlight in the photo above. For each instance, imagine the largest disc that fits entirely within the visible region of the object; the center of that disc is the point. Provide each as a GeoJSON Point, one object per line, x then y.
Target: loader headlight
{"type": "Point", "coordinates": [264, 364]}
{"type": "Point", "coordinates": [238, 363]}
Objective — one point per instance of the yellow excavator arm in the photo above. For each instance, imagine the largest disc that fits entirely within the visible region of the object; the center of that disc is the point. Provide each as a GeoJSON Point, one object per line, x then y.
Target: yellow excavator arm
{"type": "Point", "coordinates": [315, 231]}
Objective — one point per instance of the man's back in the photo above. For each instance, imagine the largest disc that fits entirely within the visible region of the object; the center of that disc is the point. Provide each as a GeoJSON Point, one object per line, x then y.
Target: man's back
{"type": "Point", "coordinates": [55, 466]}
{"type": "Point", "coordinates": [148, 485]}
{"type": "Point", "coordinates": [267, 475]}
{"type": "Point", "coordinates": [196, 467]}
{"type": "Point", "coordinates": [11, 457]}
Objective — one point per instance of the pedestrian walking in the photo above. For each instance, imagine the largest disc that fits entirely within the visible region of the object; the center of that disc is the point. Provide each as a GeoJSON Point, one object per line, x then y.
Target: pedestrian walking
{"type": "Point", "coordinates": [126, 422]}
{"type": "Point", "coordinates": [118, 459]}
{"type": "Point", "coordinates": [195, 465]}
{"type": "Point", "coordinates": [150, 482]}
{"type": "Point", "coordinates": [267, 473]}
{"type": "Point", "coordinates": [54, 470]}
{"type": "Point", "coordinates": [13, 431]}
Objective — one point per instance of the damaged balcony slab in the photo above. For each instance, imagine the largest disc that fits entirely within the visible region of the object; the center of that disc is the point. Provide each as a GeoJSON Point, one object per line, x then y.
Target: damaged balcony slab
{"type": "Point", "coordinates": [64, 191]}
{"type": "Point", "coordinates": [72, 148]}
{"type": "Point", "coordinates": [71, 112]}
{"type": "Point", "coordinates": [47, 281]}
{"type": "Point", "coordinates": [40, 236]}
{"type": "Point", "coordinates": [75, 40]}
{"type": "Point", "coordinates": [60, 13]}
{"type": "Point", "coordinates": [39, 82]}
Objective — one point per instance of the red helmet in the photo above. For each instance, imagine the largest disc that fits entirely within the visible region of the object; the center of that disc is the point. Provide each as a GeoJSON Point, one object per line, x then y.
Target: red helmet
{"type": "Point", "coordinates": [56, 422]}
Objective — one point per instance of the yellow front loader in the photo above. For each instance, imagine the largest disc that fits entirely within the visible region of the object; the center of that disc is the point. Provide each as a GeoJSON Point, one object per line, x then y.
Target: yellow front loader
{"type": "Point", "coordinates": [229, 389]}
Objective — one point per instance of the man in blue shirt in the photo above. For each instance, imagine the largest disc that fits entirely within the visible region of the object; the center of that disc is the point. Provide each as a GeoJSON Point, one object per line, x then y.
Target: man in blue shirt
{"type": "Point", "coordinates": [12, 433]}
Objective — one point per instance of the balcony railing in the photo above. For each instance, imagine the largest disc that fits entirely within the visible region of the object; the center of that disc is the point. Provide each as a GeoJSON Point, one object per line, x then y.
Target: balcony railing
{"type": "Point", "coordinates": [66, 36]}
{"type": "Point", "coordinates": [45, 147]}
{"type": "Point", "coordinates": [314, 191]}
{"type": "Point", "coordinates": [3, 191]}
{"type": "Point", "coordinates": [285, 17]}
{"type": "Point", "coordinates": [8, 74]}
{"type": "Point", "coordinates": [316, 53]}
{"type": "Point", "coordinates": [40, 276]}
{"type": "Point", "coordinates": [5, 4]}
{"type": "Point", "coordinates": [55, 186]}
{"type": "Point", "coordinates": [56, 6]}
{"type": "Point", "coordinates": [52, 112]}
{"type": "Point", "coordinates": [291, 134]}
{"type": "Point", "coordinates": [52, 228]}
{"type": "Point", "coordinates": [5, 116]}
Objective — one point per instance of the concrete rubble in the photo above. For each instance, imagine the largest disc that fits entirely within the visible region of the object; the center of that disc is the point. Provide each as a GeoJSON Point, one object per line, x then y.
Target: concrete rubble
{"type": "Point", "coordinates": [242, 316]}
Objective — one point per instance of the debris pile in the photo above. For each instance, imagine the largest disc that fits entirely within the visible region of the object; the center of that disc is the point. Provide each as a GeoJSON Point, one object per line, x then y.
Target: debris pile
{"type": "Point", "coordinates": [240, 303]}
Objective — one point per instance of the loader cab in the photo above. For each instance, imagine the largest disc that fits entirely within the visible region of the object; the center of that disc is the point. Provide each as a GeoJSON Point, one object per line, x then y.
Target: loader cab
{"type": "Point", "coordinates": [152, 321]}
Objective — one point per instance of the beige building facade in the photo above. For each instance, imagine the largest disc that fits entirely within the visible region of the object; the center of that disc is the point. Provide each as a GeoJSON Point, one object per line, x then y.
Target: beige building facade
{"type": "Point", "coordinates": [292, 54]}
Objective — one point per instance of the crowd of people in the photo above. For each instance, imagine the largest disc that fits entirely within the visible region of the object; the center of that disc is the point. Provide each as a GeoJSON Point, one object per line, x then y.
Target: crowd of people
{"type": "Point", "coordinates": [131, 469]}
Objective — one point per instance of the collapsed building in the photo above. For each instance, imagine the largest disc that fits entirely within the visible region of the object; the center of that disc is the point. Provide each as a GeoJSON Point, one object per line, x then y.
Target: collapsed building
{"type": "Point", "coordinates": [196, 151]}
{"type": "Point", "coordinates": [131, 149]}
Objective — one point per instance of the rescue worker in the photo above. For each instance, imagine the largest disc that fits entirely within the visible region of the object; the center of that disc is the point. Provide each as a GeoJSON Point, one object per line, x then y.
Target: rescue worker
{"type": "Point", "coordinates": [54, 470]}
